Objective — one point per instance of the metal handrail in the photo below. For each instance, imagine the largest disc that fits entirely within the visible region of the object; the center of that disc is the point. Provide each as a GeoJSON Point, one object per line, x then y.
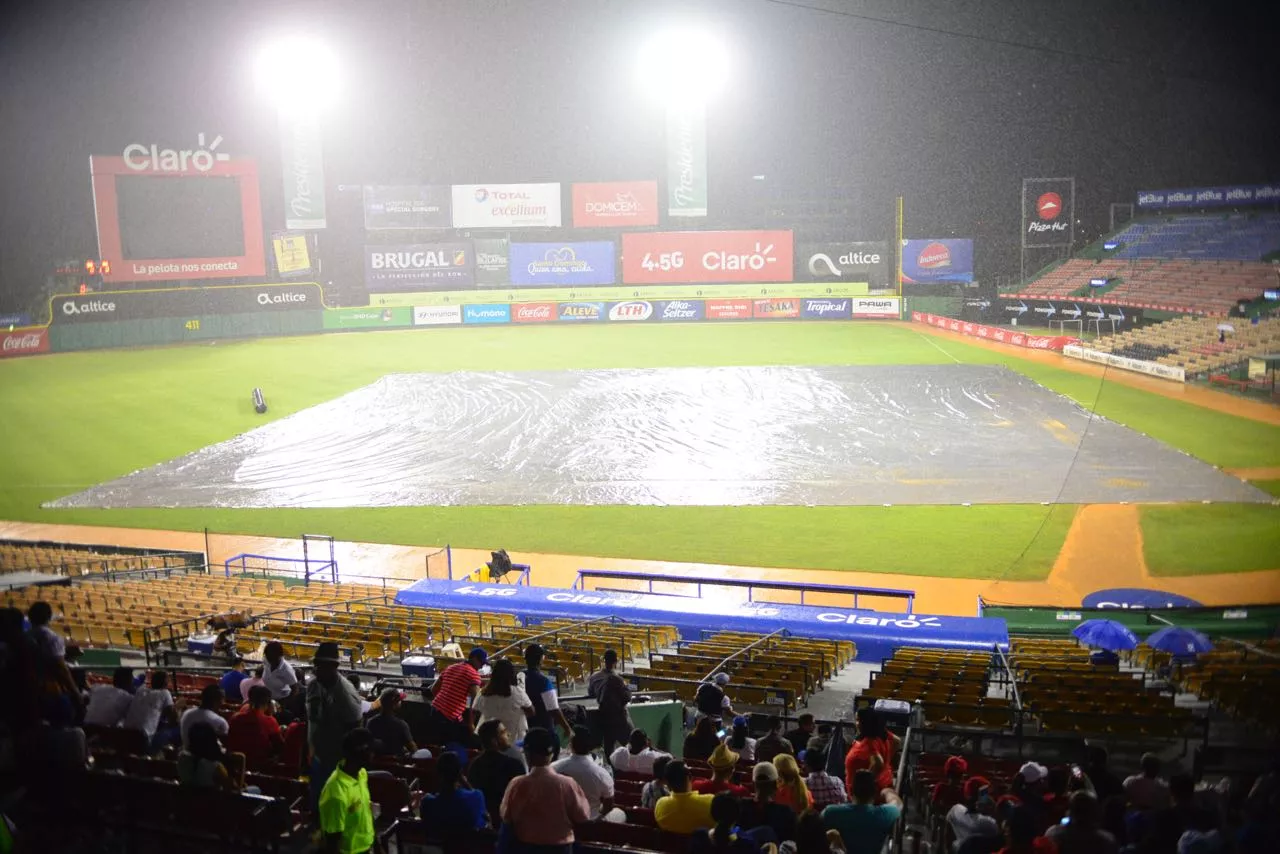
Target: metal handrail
{"type": "Point", "coordinates": [523, 641]}
{"type": "Point", "coordinates": [746, 648]}
{"type": "Point", "coordinates": [899, 778]}
{"type": "Point", "coordinates": [1013, 678]}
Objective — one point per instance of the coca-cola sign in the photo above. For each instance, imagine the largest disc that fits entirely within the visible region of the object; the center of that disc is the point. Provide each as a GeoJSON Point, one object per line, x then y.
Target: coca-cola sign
{"type": "Point", "coordinates": [24, 342]}
{"type": "Point", "coordinates": [533, 312]}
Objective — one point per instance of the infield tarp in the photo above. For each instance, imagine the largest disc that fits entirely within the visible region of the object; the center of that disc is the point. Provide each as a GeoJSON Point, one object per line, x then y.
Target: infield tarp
{"type": "Point", "coordinates": [930, 434]}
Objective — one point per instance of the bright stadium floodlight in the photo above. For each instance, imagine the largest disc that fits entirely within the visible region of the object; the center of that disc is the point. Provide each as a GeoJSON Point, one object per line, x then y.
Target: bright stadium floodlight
{"type": "Point", "coordinates": [683, 65]}
{"type": "Point", "coordinates": [297, 73]}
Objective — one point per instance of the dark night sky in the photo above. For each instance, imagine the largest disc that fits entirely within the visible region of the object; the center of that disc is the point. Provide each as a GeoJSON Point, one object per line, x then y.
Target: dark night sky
{"type": "Point", "coordinates": [1146, 93]}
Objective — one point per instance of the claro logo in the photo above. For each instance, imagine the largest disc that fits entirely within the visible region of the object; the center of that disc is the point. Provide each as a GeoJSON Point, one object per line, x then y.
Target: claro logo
{"type": "Point", "coordinates": [71, 308]}
{"type": "Point", "coordinates": [909, 622]}
{"type": "Point", "coordinates": [142, 158]}
{"type": "Point", "coordinates": [281, 299]}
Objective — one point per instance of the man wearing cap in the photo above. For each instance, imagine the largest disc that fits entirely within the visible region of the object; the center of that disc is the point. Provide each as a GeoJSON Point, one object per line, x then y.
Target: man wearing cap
{"type": "Point", "coordinates": [346, 810]}
{"type": "Point", "coordinates": [453, 693]}
{"type": "Point", "coordinates": [612, 695]}
{"type": "Point", "coordinates": [542, 807]}
{"type": "Point", "coordinates": [711, 699]}
{"type": "Point", "coordinates": [976, 815]}
{"type": "Point", "coordinates": [334, 708]}
{"type": "Point", "coordinates": [542, 693]}
{"type": "Point", "coordinates": [389, 729]}
{"type": "Point", "coordinates": [723, 762]}
{"type": "Point", "coordinates": [763, 811]}
{"type": "Point", "coordinates": [950, 791]}
{"type": "Point", "coordinates": [684, 810]}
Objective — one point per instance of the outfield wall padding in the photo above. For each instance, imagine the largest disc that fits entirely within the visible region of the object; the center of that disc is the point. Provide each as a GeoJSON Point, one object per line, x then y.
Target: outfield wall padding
{"type": "Point", "coordinates": [174, 330]}
{"type": "Point", "coordinates": [1243, 622]}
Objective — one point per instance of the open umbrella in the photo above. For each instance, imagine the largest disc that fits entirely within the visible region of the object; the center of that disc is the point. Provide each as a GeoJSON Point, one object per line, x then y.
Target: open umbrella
{"type": "Point", "coordinates": [1105, 634]}
{"type": "Point", "coordinates": [1226, 327]}
{"type": "Point", "coordinates": [1179, 641]}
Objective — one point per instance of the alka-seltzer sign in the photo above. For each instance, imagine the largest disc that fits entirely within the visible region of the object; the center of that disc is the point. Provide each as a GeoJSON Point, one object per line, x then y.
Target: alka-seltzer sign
{"type": "Point", "coordinates": [303, 171]}
{"type": "Point", "coordinates": [153, 160]}
{"type": "Point", "coordinates": [687, 160]}
{"type": "Point", "coordinates": [1234, 195]}
{"type": "Point", "coordinates": [1048, 212]}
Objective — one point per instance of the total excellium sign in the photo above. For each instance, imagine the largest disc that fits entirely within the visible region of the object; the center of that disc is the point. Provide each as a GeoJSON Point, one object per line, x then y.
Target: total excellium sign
{"type": "Point", "coordinates": [419, 267]}
{"type": "Point", "coordinates": [687, 257]}
{"type": "Point", "coordinates": [506, 205]}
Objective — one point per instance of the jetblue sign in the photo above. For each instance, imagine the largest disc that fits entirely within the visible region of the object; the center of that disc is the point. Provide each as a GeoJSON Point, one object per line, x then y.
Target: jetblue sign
{"type": "Point", "coordinates": [1231, 195]}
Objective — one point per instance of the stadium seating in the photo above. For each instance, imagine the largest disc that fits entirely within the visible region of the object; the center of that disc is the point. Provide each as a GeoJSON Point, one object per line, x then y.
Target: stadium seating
{"type": "Point", "coordinates": [1192, 343]}
{"type": "Point", "coordinates": [952, 688]}
{"type": "Point", "coordinates": [1241, 682]}
{"type": "Point", "coordinates": [1227, 237]}
{"type": "Point", "coordinates": [62, 559]}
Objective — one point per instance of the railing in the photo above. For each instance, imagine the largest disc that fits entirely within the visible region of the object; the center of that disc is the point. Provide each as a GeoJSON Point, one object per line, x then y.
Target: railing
{"type": "Point", "coordinates": [1013, 680]}
{"type": "Point", "coordinates": [745, 649]}
{"type": "Point", "coordinates": [115, 563]}
{"type": "Point", "coordinates": [477, 575]}
{"type": "Point", "coordinates": [894, 840]}
{"type": "Point", "coordinates": [580, 583]}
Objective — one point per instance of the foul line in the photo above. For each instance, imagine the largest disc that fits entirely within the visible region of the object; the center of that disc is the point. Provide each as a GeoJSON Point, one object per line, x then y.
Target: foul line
{"type": "Point", "coordinates": [937, 346]}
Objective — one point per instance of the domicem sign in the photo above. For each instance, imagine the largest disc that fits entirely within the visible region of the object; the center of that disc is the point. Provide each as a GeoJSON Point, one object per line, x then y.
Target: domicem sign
{"type": "Point", "coordinates": [616, 204]}
{"type": "Point", "coordinates": [683, 257]}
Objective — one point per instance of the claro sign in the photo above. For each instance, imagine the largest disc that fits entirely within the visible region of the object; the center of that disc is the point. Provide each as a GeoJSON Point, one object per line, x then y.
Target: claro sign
{"type": "Point", "coordinates": [681, 257]}
{"type": "Point", "coordinates": [185, 302]}
{"type": "Point", "coordinates": [152, 158]}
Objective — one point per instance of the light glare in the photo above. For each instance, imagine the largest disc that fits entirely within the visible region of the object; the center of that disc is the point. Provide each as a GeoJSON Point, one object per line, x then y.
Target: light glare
{"type": "Point", "coordinates": [684, 66]}
{"type": "Point", "coordinates": [297, 73]}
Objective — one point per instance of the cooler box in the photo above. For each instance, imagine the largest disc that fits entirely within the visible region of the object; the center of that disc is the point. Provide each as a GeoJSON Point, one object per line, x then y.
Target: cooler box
{"type": "Point", "coordinates": [421, 666]}
{"type": "Point", "coordinates": [201, 644]}
{"type": "Point", "coordinates": [894, 711]}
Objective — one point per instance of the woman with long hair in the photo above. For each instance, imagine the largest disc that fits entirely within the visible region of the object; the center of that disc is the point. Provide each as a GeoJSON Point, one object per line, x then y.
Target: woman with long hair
{"type": "Point", "coordinates": [702, 741]}
{"type": "Point", "coordinates": [792, 790]}
{"type": "Point", "coordinates": [872, 750]}
{"type": "Point", "coordinates": [740, 742]}
{"type": "Point", "coordinates": [504, 699]}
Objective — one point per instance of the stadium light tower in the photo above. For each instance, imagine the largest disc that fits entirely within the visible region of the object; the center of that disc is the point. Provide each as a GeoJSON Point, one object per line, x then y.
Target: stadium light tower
{"type": "Point", "coordinates": [683, 68]}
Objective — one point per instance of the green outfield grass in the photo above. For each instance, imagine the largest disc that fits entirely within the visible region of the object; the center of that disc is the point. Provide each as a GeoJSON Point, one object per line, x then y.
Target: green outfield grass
{"type": "Point", "coordinates": [73, 420]}
{"type": "Point", "coordinates": [1196, 539]}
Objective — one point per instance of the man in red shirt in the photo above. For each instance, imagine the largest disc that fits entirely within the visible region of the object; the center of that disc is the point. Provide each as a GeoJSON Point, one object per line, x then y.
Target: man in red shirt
{"type": "Point", "coordinates": [723, 762]}
{"type": "Point", "coordinates": [453, 694]}
{"type": "Point", "coordinates": [254, 732]}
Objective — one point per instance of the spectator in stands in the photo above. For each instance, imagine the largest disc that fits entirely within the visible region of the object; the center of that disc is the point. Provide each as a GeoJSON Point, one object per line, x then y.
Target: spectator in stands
{"type": "Point", "coordinates": [1022, 836]}
{"type": "Point", "coordinates": [250, 680]}
{"type": "Point", "coordinates": [1167, 824]}
{"type": "Point", "coordinates": [542, 807]}
{"type": "Point", "coordinates": [211, 698]}
{"type": "Point", "coordinates": [864, 824]}
{"type": "Point", "coordinates": [636, 756]}
{"type": "Point", "coordinates": [763, 810]}
{"type": "Point", "coordinates": [872, 750]}
{"type": "Point", "coordinates": [656, 789]}
{"type": "Point", "coordinates": [1106, 784]}
{"type": "Point", "coordinates": [452, 696]}
{"type": "Point", "coordinates": [49, 643]}
{"type": "Point", "coordinates": [254, 732]}
{"type": "Point", "coordinates": [108, 704]}
{"type": "Point", "coordinates": [293, 754]}
{"type": "Point", "coordinates": [1081, 834]}
{"type": "Point", "coordinates": [821, 740]}
{"type": "Point", "coordinates": [711, 699]}
{"type": "Point", "coordinates": [825, 789]}
{"type": "Point", "coordinates": [595, 781]}
{"type": "Point", "coordinates": [812, 837]}
{"type": "Point", "coordinates": [702, 741]}
{"type": "Point", "coordinates": [612, 695]}
{"type": "Point", "coordinates": [799, 737]}
{"type": "Point", "coordinates": [773, 743]}
{"type": "Point", "coordinates": [723, 762]}
{"type": "Point", "coordinates": [345, 808]}
{"type": "Point", "coordinates": [494, 767]}
{"type": "Point", "coordinates": [1029, 786]}
{"type": "Point", "coordinates": [542, 693]}
{"type": "Point", "coordinates": [232, 680]}
{"type": "Point", "coordinates": [225, 643]}
{"type": "Point", "coordinates": [975, 816]}
{"type": "Point", "coordinates": [792, 791]}
{"type": "Point", "coordinates": [277, 674]}
{"type": "Point", "coordinates": [723, 837]}
{"type": "Point", "coordinates": [152, 713]}
{"type": "Point", "coordinates": [333, 710]}
{"type": "Point", "coordinates": [950, 791]}
{"type": "Point", "coordinates": [682, 810]}
{"type": "Point", "coordinates": [390, 732]}
{"type": "Point", "coordinates": [1055, 798]}
{"type": "Point", "coordinates": [456, 808]}
{"type": "Point", "coordinates": [739, 740]}
{"type": "Point", "coordinates": [1147, 791]}
{"type": "Point", "coordinates": [59, 697]}
{"type": "Point", "coordinates": [202, 762]}
{"type": "Point", "coordinates": [504, 699]}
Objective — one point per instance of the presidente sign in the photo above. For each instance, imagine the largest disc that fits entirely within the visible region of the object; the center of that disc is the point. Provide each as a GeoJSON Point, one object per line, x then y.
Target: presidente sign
{"type": "Point", "coordinates": [617, 204]}
{"type": "Point", "coordinates": [1230, 195]}
{"type": "Point", "coordinates": [561, 264]}
{"type": "Point", "coordinates": [184, 302]}
{"type": "Point", "coordinates": [506, 205]}
{"type": "Point", "coordinates": [406, 206]}
{"type": "Point", "coordinates": [148, 161]}
{"type": "Point", "coordinates": [928, 261]}
{"type": "Point", "coordinates": [419, 267]}
{"type": "Point", "coordinates": [686, 257]}
{"type": "Point", "coordinates": [843, 262]}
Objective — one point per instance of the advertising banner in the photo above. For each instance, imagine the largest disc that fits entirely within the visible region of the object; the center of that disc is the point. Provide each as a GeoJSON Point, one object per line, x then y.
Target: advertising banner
{"type": "Point", "coordinates": [998, 334]}
{"type": "Point", "coordinates": [679, 309]}
{"type": "Point", "coordinates": [492, 313]}
{"type": "Point", "coordinates": [1155, 369]}
{"type": "Point", "coordinates": [1231, 195]}
{"type": "Point", "coordinates": [616, 204]}
{"type": "Point", "coordinates": [561, 264]}
{"type": "Point", "coordinates": [492, 260]}
{"type": "Point", "coordinates": [419, 267]}
{"type": "Point", "coordinates": [1048, 212]}
{"type": "Point", "coordinates": [929, 261]}
{"type": "Point", "coordinates": [367, 318]}
{"type": "Point", "coordinates": [884, 308]}
{"type": "Point", "coordinates": [303, 170]}
{"type": "Point", "coordinates": [843, 262]}
{"type": "Point", "coordinates": [581, 311]}
{"type": "Point", "coordinates": [776, 308]}
{"type": "Point", "coordinates": [729, 309]}
{"type": "Point", "coordinates": [23, 342]}
{"type": "Point", "coordinates": [630, 311]}
{"type": "Point", "coordinates": [680, 257]}
{"type": "Point", "coordinates": [184, 302]}
{"type": "Point", "coordinates": [7, 320]}
{"type": "Point", "coordinates": [1051, 311]}
{"type": "Point", "coordinates": [506, 205]}
{"type": "Point", "coordinates": [825, 309]}
{"type": "Point", "coordinates": [437, 315]}
{"type": "Point", "coordinates": [534, 312]}
{"type": "Point", "coordinates": [686, 160]}
{"type": "Point", "coordinates": [406, 206]}
{"type": "Point", "coordinates": [291, 254]}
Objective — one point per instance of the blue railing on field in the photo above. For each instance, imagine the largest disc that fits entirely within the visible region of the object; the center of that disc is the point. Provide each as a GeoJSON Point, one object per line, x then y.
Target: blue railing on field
{"type": "Point", "coordinates": [306, 570]}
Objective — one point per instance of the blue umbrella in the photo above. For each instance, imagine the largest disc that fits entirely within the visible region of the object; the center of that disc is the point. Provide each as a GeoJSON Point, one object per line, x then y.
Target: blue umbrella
{"type": "Point", "coordinates": [1179, 641]}
{"type": "Point", "coordinates": [1105, 634]}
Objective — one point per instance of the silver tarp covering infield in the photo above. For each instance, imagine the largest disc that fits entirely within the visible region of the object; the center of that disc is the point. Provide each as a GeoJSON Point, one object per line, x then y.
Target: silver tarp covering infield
{"type": "Point", "coordinates": [938, 434]}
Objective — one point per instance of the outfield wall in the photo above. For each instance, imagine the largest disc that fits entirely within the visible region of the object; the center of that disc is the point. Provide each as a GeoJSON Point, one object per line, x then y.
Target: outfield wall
{"type": "Point", "coordinates": [1243, 622]}
{"type": "Point", "coordinates": [140, 318]}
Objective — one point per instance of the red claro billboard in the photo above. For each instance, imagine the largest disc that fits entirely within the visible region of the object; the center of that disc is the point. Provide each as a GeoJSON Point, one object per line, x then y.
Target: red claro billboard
{"type": "Point", "coordinates": [680, 257]}
{"type": "Point", "coordinates": [615, 204]}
